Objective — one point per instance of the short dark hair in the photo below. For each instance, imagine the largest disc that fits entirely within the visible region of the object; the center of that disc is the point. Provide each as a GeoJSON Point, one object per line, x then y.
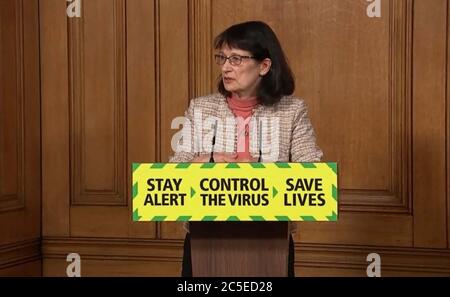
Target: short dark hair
{"type": "Point", "coordinates": [259, 39]}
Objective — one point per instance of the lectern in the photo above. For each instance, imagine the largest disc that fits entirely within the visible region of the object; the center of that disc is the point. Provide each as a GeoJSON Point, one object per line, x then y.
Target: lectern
{"type": "Point", "coordinates": [258, 249]}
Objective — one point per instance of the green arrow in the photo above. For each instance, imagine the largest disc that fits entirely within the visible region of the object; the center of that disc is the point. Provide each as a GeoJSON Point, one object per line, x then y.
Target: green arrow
{"type": "Point", "coordinates": [274, 192]}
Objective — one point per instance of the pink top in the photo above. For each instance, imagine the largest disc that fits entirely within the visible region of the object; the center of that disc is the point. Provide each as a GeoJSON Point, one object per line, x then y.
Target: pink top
{"type": "Point", "coordinates": [243, 110]}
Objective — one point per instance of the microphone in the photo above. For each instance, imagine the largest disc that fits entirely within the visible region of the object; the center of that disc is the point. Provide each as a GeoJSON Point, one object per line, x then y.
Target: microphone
{"type": "Point", "coordinates": [211, 159]}
{"type": "Point", "coordinates": [260, 142]}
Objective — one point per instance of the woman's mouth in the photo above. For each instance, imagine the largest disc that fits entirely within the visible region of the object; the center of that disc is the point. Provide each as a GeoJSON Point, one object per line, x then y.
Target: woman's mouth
{"type": "Point", "coordinates": [227, 80]}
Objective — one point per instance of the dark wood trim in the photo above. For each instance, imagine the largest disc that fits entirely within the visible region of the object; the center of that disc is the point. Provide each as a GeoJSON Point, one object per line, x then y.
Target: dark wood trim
{"type": "Point", "coordinates": [311, 256]}
{"type": "Point", "coordinates": [20, 252]}
{"type": "Point", "coordinates": [393, 259]}
{"type": "Point", "coordinates": [112, 249]}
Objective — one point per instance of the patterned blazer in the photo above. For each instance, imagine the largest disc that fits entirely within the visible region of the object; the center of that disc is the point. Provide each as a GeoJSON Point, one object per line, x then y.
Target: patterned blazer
{"type": "Point", "coordinates": [280, 133]}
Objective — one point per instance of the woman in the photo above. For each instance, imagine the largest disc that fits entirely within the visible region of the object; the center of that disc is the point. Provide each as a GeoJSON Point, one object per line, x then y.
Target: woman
{"type": "Point", "coordinates": [268, 124]}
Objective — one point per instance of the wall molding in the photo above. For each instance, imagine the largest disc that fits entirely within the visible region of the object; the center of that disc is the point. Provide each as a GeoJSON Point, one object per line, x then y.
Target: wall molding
{"type": "Point", "coordinates": [16, 201]}
{"type": "Point", "coordinates": [200, 48]}
{"type": "Point", "coordinates": [124, 249]}
{"type": "Point", "coordinates": [447, 102]}
{"type": "Point", "coordinates": [396, 260]}
{"type": "Point", "coordinates": [393, 259]}
{"type": "Point", "coordinates": [20, 252]}
{"type": "Point", "coordinates": [80, 193]}
{"type": "Point", "coordinates": [396, 199]}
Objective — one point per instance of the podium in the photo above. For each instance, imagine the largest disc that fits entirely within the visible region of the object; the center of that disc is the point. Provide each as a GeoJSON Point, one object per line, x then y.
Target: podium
{"type": "Point", "coordinates": [240, 249]}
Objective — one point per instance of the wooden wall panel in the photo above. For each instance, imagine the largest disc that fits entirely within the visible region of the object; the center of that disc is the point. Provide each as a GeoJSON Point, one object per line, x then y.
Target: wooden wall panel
{"type": "Point", "coordinates": [11, 107]}
{"type": "Point", "coordinates": [173, 81]}
{"type": "Point", "coordinates": [55, 118]}
{"type": "Point", "coordinates": [20, 172]}
{"type": "Point", "coordinates": [429, 89]}
{"type": "Point", "coordinates": [93, 217]}
{"type": "Point", "coordinates": [358, 98]}
{"type": "Point", "coordinates": [173, 61]}
{"type": "Point", "coordinates": [359, 229]}
{"type": "Point", "coordinates": [94, 89]}
{"type": "Point", "coordinates": [334, 79]}
{"type": "Point", "coordinates": [447, 127]}
{"type": "Point", "coordinates": [21, 258]}
{"type": "Point", "coordinates": [116, 79]}
{"type": "Point", "coordinates": [97, 72]}
{"type": "Point", "coordinates": [343, 260]}
{"type": "Point", "coordinates": [114, 257]}
{"type": "Point", "coordinates": [141, 97]}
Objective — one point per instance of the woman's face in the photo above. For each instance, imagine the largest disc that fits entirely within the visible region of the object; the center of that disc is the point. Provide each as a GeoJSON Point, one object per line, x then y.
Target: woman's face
{"type": "Point", "coordinates": [242, 79]}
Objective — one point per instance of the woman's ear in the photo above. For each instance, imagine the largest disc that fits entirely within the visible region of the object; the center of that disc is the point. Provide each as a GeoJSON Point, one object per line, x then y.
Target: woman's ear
{"type": "Point", "coordinates": [264, 66]}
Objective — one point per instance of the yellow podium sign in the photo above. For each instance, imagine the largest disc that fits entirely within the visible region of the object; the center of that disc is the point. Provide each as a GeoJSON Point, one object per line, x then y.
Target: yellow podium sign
{"type": "Point", "coordinates": [235, 192]}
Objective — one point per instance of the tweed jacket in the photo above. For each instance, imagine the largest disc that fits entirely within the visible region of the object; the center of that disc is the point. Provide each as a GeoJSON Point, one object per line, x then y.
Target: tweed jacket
{"type": "Point", "coordinates": [281, 132]}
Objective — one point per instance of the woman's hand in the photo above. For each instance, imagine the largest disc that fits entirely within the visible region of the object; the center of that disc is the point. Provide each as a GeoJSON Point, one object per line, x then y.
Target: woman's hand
{"type": "Point", "coordinates": [218, 158]}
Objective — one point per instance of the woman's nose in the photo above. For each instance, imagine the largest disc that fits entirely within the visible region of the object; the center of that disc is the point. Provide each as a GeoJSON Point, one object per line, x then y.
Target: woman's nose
{"type": "Point", "coordinates": [226, 66]}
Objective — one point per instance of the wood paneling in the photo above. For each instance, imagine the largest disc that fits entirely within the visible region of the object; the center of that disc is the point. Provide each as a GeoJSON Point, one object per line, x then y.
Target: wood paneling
{"type": "Point", "coordinates": [21, 258]}
{"type": "Point", "coordinates": [347, 260]}
{"type": "Point", "coordinates": [20, 172]}
{"type": "Point", "coordinates": [55, 119]}
{"type": "Point", "coordinates": [377, 93]}
{"type": "Point", "coordinates": [141, 96]}
{"type": "Point", "coordinates": [359, 228]}
{"type": "Point", "coordinates": [113, 257]}
{"type": "Point", "coordinates": [429, 89]}
{"type": "Point", "coordinates": [361, 84]}
{"type": "Point", "coordinates": [358, 94]}
{"type": "Point", "coordinates": [200, 48]}
{"type": "Point", "coordinates": [101, 109]}
{"type": "Point", "coordinates": [97, 97]}
{"type": "Point", "coordinates": [448, 125]}
{"type": "Point", "coordinates": [12, 150]}
{"type": "Point", "coordinates": [173, 80]}
{"type": "Point", "coordinates": [28, 269]}
{"type": "Point", "coordinates": [173, 68]}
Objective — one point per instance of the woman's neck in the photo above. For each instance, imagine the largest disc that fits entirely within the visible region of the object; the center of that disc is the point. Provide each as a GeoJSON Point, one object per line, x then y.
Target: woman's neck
{"type": "Point", "coordinates": [243, 97]}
